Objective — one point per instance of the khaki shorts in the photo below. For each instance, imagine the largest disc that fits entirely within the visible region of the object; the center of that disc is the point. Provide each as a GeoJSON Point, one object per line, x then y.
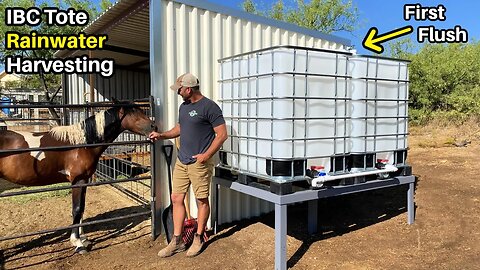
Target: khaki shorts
{"type": "Point", "coordinates": [197, 174]}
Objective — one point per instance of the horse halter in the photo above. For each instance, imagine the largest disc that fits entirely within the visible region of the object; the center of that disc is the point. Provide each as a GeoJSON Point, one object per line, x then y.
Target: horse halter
{"type": "Point", "coordinates": [114, 127]}
{"type": "Point", "coordinates": [118, 127]}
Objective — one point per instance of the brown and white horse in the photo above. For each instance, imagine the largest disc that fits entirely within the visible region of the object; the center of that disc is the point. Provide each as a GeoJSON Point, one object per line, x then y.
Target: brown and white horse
{"type": "Point", "coordinates": [75, 165]}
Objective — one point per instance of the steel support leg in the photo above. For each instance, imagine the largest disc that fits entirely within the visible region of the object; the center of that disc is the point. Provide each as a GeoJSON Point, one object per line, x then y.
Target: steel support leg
{"type": "Point", "coordinates": [280, 236]}
{"type": "Point", "coordinates": [312, 216]}
{"type": "Point", "coordinates": [411, 203]}
{"type": "Point", "coordinates": [216, 193]}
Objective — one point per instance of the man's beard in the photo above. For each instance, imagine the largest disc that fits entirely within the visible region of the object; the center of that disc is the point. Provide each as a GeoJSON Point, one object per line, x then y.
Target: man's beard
{"type": "Point", "coordinates": [186, 99]}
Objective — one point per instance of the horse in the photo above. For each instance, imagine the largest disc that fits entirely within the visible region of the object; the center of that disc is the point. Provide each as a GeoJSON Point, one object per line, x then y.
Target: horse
{"type": "Point", "coordinates": [75, 165]}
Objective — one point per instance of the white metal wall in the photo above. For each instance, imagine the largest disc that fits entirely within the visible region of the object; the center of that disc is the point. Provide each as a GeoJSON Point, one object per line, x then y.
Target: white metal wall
{"type": "Point", "coordinates": [194, 40]}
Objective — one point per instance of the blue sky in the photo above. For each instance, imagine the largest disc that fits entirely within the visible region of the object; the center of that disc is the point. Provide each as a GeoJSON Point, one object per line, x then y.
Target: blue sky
{"type": "Point", "coordinates": [388, 15]}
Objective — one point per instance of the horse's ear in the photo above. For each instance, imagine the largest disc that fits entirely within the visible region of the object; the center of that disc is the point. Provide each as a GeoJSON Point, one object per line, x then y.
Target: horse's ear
{"type": "Point", "coordinates": [114, 100]}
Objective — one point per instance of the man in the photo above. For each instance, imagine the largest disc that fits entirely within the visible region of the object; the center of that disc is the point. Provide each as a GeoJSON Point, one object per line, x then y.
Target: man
{"type": "Point", "coordinates": [202, 131]}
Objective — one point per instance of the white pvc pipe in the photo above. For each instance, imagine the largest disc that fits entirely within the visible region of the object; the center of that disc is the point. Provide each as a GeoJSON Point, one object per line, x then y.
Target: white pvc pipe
{"type": "Point", "coordinates": [318, 181]}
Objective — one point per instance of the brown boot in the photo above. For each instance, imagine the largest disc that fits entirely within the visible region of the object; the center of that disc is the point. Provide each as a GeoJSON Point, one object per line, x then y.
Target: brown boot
{"type": "Point", "coordinates": [196, 247]}
{"type": "Point", "coordinates": [175, 246]}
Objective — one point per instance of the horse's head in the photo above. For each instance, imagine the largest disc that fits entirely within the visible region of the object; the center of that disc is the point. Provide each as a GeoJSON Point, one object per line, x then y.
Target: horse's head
{"type": "Point", "coordinates": [134, 119]}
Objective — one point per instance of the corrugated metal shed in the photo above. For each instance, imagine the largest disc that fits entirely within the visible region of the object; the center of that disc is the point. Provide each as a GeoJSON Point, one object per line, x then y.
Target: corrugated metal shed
{"type": "Point", "coordinates": [188, 36]}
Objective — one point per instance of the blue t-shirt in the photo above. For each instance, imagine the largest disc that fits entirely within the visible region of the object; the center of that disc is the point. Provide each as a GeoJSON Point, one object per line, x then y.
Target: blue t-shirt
{"type": "Point", "coordinates": [197, 121]}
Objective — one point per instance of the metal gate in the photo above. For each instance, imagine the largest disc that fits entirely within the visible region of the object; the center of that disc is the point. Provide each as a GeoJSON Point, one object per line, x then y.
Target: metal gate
{"type": "Point", "coordinates": [125, 165]}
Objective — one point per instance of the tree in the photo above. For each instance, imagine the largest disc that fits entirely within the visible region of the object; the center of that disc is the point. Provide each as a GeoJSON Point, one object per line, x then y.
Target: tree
{"type": "Point", "coordinates": [105, 4]}
{"type": "Point", "coordinates": [401, 48]}
{"type": "Point", "coordinates": [50, 79]}
{"type": "Point", "coordinates": [327, 16]}
{"type": "Point", "coordinates": [445, 79]}
{"type": "Point", "coordinates": [50, 83]}
{"type": "Point", "coordinates": [249, 6]}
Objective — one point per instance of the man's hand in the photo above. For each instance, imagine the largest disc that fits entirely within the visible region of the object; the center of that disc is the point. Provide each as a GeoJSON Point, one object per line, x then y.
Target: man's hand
{"type": "Point", "coordinates": [154, 136]}
{"type": "Point", "coordinates": [202, 158]}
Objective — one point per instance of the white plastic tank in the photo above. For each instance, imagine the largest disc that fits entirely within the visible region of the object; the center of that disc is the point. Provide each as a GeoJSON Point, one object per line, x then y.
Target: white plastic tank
{"type": "Point", "coordinates": [285, 103]}
{"type": "Point", "coordinates": [379, 106]}
{"type": "Point", "coordinates": [294, 105]}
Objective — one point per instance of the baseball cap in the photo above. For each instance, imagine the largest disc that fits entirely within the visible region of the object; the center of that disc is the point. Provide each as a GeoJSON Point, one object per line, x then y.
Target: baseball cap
{"type": "Point", "coordinates": [187, 80]}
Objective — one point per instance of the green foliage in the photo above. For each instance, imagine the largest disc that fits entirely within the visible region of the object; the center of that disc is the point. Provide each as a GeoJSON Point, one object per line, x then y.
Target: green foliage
{"type": "Point", "coordinates": [403, 48]}
{"type": "Point", "coordinates": [419, 117]}
{"type": "Point", "coordinates": [442, 76]}
{"type": "Point", "coordinates": [11, 85]}
{"type": "Point", "coordinates": [249, 6]}
{"type": "Point", "coordinates": [105, 4]}
{"type": "Point", "coordinates": [53, 81]}
{"type": "Point", "coordinates": [326, 16]}
{"type": "Point", "coordinates": [444, 81]}
{"type": "Point", "coordinates": [42, 27]}
{"type": "Point", "coordinates": [277, 11]}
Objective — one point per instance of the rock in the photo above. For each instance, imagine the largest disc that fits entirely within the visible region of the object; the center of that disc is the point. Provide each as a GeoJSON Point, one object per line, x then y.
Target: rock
{"type": "Point", "coordinates": [463, 143]}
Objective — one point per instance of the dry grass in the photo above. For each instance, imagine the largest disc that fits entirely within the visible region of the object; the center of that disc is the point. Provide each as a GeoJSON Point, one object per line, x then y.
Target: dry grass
{"type": "Point", "coordinates": [7, 187]}
{"type": "Point", "coordinates": [439, 134]}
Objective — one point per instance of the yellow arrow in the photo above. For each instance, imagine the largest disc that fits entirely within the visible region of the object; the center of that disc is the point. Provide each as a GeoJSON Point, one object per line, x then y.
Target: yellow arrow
{"type": "Point", "coordinates": [372, 41]}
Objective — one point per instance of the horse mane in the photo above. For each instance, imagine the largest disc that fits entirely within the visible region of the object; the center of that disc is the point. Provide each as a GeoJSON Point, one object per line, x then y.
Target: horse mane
{"type": "Point", "coordinates": [74, 134]}
{"type": "Point", "coordinates": [91, 130]}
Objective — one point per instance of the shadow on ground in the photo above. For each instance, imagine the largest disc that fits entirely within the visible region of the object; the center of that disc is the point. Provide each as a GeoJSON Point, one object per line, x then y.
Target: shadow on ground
{"type": "Point", "coordinates": [5, 185]}
{"type": "Point", "coordinates": [104, 232]}
{"type": "Point", "coordinates": [337, 216]}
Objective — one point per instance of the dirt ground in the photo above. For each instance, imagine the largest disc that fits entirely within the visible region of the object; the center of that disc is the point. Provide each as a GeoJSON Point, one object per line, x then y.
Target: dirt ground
{"type": "Point", "coordinates": [361, 231]}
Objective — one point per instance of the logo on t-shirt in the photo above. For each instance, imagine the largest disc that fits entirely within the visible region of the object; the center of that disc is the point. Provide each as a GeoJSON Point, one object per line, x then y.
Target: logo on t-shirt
{"type": "Point", "coordinates": [193, 113]}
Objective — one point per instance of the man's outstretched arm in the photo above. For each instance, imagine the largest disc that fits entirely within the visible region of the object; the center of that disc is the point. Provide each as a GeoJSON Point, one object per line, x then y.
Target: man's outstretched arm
{"type": "Point", "coordinates": [172, 133]}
